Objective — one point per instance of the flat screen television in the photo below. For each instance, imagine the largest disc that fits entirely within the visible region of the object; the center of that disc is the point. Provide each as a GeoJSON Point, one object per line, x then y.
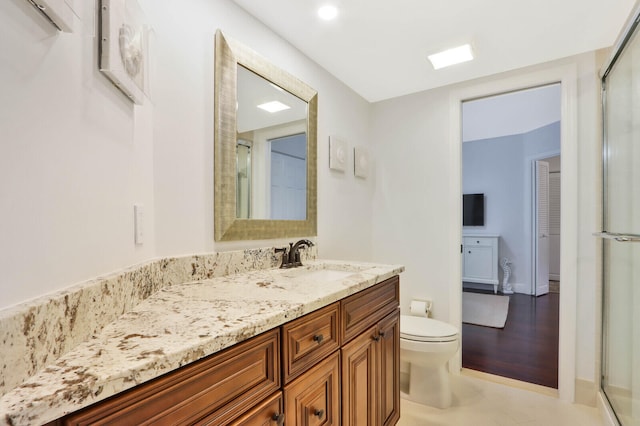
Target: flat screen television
{"type": "Point", "coordinates": [473, 210]}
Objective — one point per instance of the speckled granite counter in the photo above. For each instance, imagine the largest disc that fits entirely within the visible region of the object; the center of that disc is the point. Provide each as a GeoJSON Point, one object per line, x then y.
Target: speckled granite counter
{"type": "Point", "coordinates": [178, 325]}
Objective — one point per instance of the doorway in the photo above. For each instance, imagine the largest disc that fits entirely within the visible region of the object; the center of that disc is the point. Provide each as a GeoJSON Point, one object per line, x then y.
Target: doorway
{"type": "Point", "coordinates": [502, 137]}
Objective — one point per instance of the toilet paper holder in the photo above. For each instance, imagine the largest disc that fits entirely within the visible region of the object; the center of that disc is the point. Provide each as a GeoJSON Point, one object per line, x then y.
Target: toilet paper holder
{"type": "Point", "coordinates": [421, 307]}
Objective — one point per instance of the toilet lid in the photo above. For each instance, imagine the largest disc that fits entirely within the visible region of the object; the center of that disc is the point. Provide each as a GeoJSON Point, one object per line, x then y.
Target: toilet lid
{"type": "Point", "coordinates": [426, 329]}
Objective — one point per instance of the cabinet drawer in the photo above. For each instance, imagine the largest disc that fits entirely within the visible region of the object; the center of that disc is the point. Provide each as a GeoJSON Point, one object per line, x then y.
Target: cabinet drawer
{"type": "Point", "coordinates": [478, 241]}
{"type": "Point", "coordinates": [362, 310]}
{"type": "Point", "coordinates": [219, 387]}
{"type": "Point", "coordinates": [314, 398]}
{"type": "Point", "coordinates": [269, 412]}
{"type": "Point", "coordinates": [308, 339]}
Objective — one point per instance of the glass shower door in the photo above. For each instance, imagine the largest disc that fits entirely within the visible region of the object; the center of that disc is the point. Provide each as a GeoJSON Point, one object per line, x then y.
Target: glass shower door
{"type": "Point", "coordinates": [621, 236]}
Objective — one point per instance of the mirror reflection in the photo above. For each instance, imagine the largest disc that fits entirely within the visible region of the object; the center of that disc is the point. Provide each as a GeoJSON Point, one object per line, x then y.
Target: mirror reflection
{"type": "Point", "coordinates": [271, 150]}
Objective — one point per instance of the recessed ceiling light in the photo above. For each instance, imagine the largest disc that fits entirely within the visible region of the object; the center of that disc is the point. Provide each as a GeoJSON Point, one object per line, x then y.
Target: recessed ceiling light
{"type": "Point", "coordinates": [273, 106]}
{"type": "Point", "coordinates": [453, 56]}
{"type": "Point", "coordinates": [328, 12]}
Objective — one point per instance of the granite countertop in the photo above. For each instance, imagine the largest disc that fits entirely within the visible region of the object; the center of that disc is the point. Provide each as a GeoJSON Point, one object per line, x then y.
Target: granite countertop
{"type": "Point", "coordinates": [181, 324]}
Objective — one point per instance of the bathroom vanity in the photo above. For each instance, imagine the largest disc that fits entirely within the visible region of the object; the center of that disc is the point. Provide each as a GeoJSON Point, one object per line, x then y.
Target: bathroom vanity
{"type": "Point", "coordinates": [314, 344]}
{"type": "Point", "coordinates": [295, 373]}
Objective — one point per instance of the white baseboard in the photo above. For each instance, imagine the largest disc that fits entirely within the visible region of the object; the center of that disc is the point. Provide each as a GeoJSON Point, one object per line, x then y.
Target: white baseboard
{"type": "Point", "coordinates": [608, 418]}
{"type": "Point", "coordinates": [478, 286]}
{"type": "Point", "coordinates": [554, 277]}
{"type": "Point", "coordinates": [521, 288]}
{"type": "Point", "coordinates": [517, 287]}
{"type": "Point", "coordinates": [586, 392]}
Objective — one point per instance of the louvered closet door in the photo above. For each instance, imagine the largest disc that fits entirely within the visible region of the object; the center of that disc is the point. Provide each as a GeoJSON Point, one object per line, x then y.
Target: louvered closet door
{"type": "Point", "coordinates": [542, 228]}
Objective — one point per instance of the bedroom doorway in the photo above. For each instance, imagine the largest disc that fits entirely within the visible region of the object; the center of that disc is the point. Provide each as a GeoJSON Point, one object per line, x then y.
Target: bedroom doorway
{"type": "Point", "coordinates": [502, 137]}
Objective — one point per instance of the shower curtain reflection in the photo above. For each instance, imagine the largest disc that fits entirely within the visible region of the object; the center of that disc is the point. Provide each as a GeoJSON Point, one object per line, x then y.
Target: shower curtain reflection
{"type": "Point", "coordinates": [243, 184]}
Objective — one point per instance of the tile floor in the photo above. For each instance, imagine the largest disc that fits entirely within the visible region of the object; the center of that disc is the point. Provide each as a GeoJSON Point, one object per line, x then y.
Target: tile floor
{"type": "Point", "coordinates": [478, 402]}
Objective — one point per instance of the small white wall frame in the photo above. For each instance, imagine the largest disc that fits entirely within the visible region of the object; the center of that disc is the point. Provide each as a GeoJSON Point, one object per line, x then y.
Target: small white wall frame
{"type": "Point", "coordinates": [337, 154]}
{"type": "Point", "coordinates": [361, 162]}
{"type": "Point", "coordinates": [59, 12]}
{"type": "Point", "coordinates": [124, 53]}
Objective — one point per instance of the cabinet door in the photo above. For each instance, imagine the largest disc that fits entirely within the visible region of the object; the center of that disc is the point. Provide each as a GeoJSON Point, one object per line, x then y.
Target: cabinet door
{"type": "Point", "coordinates": [478, 262]}
{"type": "Point", "coordinates": [267, 413]}
{"type": "Point", "coordinates": [219, 388]}
{"type": "Point", "coordinates": [389, 371]}
{"type": "Point", "coordinates": [308, 339]}
{"type": "Point", "coordinates": [314, 397]}
{"type": "Point", "coordinates": [364, 309]}
{"type": "Point", "coordinates": [359, 384]}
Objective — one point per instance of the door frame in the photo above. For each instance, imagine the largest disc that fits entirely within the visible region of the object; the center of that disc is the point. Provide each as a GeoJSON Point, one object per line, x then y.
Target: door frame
{"type": "Point", "coordinates": [567, 76]}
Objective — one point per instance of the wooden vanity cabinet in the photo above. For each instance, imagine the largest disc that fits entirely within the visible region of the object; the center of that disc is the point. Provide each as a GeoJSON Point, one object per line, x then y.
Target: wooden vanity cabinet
{"type": "Point", "coordinates": [371, 359]}
{"type": "Point", "coordinates": [314, 398]}
{"type": "Point", "coordinates": [215, 390]}
{"type": "Point", "coordinates": [309, 339]}
{"type": "Point", "coordinates": [268, 413]}
{"type": "Point", "coordinates": [337, 365]}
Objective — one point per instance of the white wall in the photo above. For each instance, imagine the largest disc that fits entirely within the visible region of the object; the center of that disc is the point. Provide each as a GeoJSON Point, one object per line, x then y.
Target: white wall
{"type": "Point", "coordinates": [498, 167]}
{"type": "Point", "coordinates": [75, 155]}
{"type": "Point", "coordinates": [73, 161]}
{"type": "Point", "coordinates": [183, 131]}
{"type": "Point", "coordinates": [510, 113]}
{"type": "Point", "coordinates": [411, 137]}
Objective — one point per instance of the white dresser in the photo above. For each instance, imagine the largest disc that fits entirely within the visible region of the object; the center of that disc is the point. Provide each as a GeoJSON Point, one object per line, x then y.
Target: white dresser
{"type": "Point", "coordinates": [480, 259]}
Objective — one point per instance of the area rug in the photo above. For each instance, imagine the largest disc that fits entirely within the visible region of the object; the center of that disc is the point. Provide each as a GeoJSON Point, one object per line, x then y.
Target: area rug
{"type": "Point", "coordinates": [485, 309]}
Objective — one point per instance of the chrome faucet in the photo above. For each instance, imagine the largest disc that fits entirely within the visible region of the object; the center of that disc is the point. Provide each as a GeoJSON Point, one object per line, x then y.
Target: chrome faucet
{"type": "Point", "coordinates": [291, 258]}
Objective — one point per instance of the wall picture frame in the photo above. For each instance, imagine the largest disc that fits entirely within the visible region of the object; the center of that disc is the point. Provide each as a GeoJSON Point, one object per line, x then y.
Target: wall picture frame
{"type": "Point", "coordinates": [361, 162]}
{"type": "Point", "coordinates": [124, 47]}
{"type": "Point", "coordinates": [60, 13]}
{"type": "Point", "coordinates": [337, 154]}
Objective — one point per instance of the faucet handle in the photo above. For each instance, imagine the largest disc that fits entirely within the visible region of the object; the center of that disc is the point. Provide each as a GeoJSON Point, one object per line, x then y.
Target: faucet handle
{"type": "Point", "coordinates": [285, 256]}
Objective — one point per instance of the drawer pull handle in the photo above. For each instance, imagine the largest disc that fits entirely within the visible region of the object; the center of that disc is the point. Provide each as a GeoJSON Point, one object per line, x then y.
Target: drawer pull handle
{"type": "Point", "coordinates": [318, 413]}
{"type": "Point", "coordinates": [318, 338]}
{"type": "Point", "coordinates": [278, 418]}
{"type": "Point", "coordinates": [381, 334]}
{"type": "Point", "coordinates": [376, 338]}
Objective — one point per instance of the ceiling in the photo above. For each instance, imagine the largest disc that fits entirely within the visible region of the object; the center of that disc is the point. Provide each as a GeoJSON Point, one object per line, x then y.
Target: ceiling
{"type": "Point", "coordinates": [379, 48]}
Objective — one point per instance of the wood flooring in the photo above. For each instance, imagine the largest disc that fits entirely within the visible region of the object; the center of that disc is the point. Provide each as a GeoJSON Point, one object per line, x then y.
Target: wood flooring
{"type": "Point", "coordinates": [525, 349]}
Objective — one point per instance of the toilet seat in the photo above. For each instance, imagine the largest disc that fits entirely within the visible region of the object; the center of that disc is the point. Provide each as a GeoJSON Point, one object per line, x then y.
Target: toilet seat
{"type": "Point", "coordinates": [421, 329]}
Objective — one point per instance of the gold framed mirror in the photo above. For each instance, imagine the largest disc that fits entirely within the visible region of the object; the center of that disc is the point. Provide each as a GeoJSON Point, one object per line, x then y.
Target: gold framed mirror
{"type": "Point", "coordinates": [258, 216]}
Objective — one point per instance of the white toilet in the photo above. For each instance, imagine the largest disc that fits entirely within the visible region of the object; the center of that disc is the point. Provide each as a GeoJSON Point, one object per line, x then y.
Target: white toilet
{"type": "Point", "coordinates": [427, 345]}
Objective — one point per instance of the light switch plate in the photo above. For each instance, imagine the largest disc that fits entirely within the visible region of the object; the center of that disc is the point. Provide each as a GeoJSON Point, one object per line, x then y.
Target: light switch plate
{"type": "Point", "coordinates": [337, 154]}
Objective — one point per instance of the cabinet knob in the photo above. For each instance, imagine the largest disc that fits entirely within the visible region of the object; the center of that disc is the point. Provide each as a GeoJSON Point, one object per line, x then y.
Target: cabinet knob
{"type": "Point", "coordinates": [469, 251]}
{"type": "Point", "coordinates": [318, 413]}
{"type": "Point", "coordinates": [278, 418]}
{"type": "Point", "coordinates": [376, 338]}
{"type": "Point", "coordinates": [318, 338]}
{"type": "Point", "coordinates": [381, 334]}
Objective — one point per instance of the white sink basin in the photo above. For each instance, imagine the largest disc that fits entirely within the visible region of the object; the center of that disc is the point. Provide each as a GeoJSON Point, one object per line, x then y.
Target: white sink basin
{"type": "Point", "coordinates": [323, 275]}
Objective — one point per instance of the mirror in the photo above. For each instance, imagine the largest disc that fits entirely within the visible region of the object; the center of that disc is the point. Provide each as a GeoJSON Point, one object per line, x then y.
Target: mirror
{"type": "Point", "coordinates": [265, 162]}
{"type": "Point", "coordinates": [271, 144]}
